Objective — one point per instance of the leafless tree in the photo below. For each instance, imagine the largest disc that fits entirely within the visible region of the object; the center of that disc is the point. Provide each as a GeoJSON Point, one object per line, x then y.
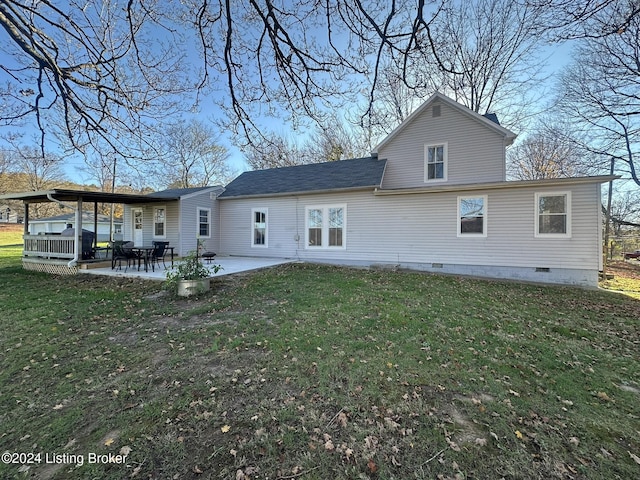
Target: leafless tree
{"type": "Point", "coordinates": [190, 155]}
{"type": "Point", "coordinates": [547, 152]}
{"type": "Point", "coordinates": [275, 151]}
{"type": "Point", "coordinates": [571, 19]}
{"type": "Point", "coordinates": [600, 92]}
{"type": "Point", "coordinates": [33, 172]}
{"type": "Point", "coordinates": [109, 69]}
{"type": "Point", "coordinates": [490, 52]}
{"type": "Point", "coordinates": [339, 141]}
{"type": "Point", "coordinates": [90, 70]}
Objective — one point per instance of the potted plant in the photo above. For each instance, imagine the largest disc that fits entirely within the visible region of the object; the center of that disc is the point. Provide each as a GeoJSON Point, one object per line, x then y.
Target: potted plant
{"type": "Point", "coordinates": [190, 276]}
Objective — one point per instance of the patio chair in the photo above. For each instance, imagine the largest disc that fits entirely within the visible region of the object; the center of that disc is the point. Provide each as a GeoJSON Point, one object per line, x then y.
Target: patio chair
{"type": "Point", "coordinates": [158, 253]}
{"type": "Point", "coordinates": [122, 251]}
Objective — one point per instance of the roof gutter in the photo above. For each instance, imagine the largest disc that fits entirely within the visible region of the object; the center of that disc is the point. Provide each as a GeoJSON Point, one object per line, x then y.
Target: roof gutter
{"type": "Point", "coordinates": [303, 192]}
{"type": "Point", "coordinates": [549, 182]}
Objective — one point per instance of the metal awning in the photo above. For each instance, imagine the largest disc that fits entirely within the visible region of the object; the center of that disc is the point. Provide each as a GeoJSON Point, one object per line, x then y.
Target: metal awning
{"type": "Point", "coordinates": [65, 195]}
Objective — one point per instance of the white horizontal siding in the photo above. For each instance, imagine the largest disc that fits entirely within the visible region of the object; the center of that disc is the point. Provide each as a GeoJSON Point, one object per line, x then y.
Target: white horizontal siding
{"type": "Point", "coordinates": [476, 153]}
{"type": "Point", "coordinates": [189, 223]}
{"type": "Point", "coordinates": [421, 228]}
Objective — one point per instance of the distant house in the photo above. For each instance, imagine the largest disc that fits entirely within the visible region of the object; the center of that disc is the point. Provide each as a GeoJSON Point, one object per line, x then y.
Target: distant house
{"type": "Point", "coordinates": [9, 215]}
{"type": "Point", "coordinates": [58, 223]}
{"type": "Point", "coordinates": [433, 196]}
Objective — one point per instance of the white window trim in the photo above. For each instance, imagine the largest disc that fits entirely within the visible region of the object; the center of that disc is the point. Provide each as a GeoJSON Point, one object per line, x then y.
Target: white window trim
{"type": "Point", "coordinates": [156, 207]}
{"type": "Point", "coordinates": [325, 227]}
{"type": "Point", "coordinates": [485, 200]}
{"type": "Point", "coordinates": [536, 231]}
{"type": "Point", "coordinates": [266, 227]}
{"type": "Point", "coordinates": [445, 165]}
{"type": "Point", "coordinates": [198, 210]}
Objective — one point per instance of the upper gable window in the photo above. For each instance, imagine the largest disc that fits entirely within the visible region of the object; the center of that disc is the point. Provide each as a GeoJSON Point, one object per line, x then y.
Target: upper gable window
{"type": "Point", "coordinates": [435, 162]}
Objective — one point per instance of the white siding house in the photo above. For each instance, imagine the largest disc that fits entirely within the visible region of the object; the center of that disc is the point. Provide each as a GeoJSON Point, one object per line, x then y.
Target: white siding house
{"type": "Point", "coordinates": [187, 215]}
{"type": "Point", "coordinates": [433, 196]}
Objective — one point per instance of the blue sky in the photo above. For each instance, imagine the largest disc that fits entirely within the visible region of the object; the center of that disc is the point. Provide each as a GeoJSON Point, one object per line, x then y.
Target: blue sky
{"type": "Point", "coordinates": [558, 57]}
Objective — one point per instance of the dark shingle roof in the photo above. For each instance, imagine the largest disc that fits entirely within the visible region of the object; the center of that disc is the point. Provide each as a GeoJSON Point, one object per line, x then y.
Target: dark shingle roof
{"type": "Point", "coordinates": [175, 193]}
{"type": "Point", "coordinates": [493, 117]}
{"type": "Point", "coordinates": [315, 177]}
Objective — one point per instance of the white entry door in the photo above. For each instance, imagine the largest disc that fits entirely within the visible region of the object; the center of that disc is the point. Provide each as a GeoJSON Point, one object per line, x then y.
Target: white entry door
{"type": "Point", "coordinates": [138, 225]}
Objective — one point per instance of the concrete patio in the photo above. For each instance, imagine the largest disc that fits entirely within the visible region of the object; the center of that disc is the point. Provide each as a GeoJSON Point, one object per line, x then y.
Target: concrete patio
{"type": "Point", "coordinates": [230, 265]}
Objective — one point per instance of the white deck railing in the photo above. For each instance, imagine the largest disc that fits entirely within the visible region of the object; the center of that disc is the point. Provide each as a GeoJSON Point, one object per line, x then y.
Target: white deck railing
{"type": "Point", "coordinates": [48, 246]}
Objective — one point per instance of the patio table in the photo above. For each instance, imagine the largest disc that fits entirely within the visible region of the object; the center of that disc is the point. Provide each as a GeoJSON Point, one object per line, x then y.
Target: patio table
{"type": "Point", "coordinates": [144, 253]}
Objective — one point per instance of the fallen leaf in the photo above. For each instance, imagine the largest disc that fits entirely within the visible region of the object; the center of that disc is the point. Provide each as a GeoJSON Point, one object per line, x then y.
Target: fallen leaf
{"type": "Point", "coordinates": [58, 406]}
{"type": "Point", "coordinates": [371, 465]}
{"type": "Point", "coordinates": [518, 434]}
{"type": "Point", "coordinates": [126, 450]}
{"type": "Point", "coordinates": [604, 396]}
{"type": "Point", "coordinates": [196, 469]}
{"type": "Point", "coordinates": [342, 419]}
{"type": "Point", "coordinates": [108, 442]}
{"type": "Point", "coordinates": [233, 452]}
{"type": "Point", "coordinates": [574, 441]}
{"type": "Point", "coordinates": [225, 428]}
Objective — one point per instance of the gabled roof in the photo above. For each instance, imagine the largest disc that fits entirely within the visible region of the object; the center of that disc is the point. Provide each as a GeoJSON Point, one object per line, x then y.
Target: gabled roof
{"type": "Point", "coordinates": [351, 174]}
{"type": "Point", "coordinates": [489, 120]}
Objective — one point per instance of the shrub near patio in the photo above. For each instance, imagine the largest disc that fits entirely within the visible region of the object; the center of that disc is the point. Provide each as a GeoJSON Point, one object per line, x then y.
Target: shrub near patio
{"type": "Point", "coordinates": [316, 372]}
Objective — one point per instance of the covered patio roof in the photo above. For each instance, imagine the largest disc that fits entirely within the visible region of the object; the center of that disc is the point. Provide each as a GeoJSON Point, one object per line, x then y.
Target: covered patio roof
{"type": "Point", "coordinates": [60, 195]}
{"type": "Point", "coordinates": [67, 195]}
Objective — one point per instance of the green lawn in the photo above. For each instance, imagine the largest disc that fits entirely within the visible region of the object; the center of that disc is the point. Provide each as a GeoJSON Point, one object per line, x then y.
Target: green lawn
{"type": "Point", "coordinates": [317, 372]}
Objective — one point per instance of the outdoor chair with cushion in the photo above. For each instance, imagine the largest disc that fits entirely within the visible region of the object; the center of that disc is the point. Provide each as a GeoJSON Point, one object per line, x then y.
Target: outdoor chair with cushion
{"type": "Point", "coordinates": [122, 251]}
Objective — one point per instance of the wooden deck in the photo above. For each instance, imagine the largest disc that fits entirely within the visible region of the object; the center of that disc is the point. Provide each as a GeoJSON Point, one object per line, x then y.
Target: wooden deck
{"type": "Point", "coordinates": [53, 254]}
{"type": "Point", "coordinates": [49, 246]}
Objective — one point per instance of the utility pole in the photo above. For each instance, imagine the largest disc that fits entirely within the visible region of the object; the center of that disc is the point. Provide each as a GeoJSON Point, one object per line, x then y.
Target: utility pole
{"type": "Point", "coordinates": [113, 206]}
{"type": "Point", "coordinates": [607, 222]}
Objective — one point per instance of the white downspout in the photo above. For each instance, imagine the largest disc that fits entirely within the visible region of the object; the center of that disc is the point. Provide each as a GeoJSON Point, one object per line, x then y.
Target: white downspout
{"type": "Point", "coordinates": [76, 250]}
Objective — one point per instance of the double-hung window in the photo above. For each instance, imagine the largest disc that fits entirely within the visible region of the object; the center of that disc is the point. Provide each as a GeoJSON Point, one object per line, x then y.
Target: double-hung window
{"type": "Point", "coordinates": [326, 226]}
{"type": "Point", "coordinates": [472, 216]}
{"type": "Point", "coordinates": [204, 222]}
{"type": "Point", "coordinates": [435, 162]}
{"type": "Point", "coordinates": [159, 222]}
{"type": "Point", "coordinates": [259, 227]}
{"type": "Point", "coordinates": [553, 215]}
